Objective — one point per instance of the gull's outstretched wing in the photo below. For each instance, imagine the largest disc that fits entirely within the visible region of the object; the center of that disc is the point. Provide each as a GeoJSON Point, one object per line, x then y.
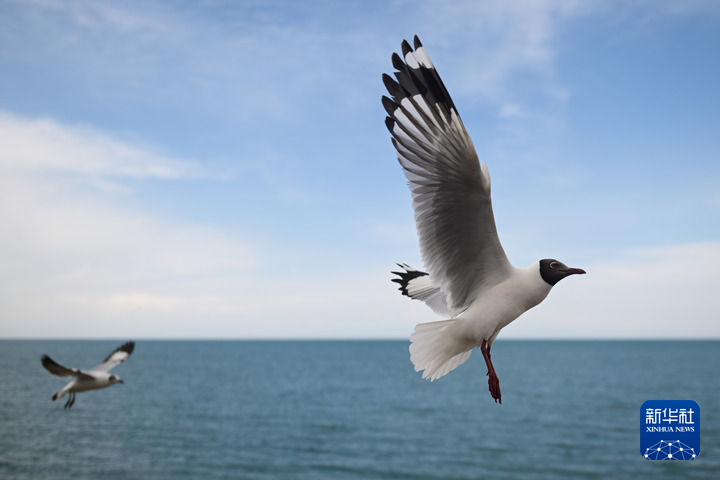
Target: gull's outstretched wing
{"type": "Point", "coordinates": [115, 358]}
{"type": "Point", "coordinates": [60, 371]}
{"type": "Point", "coordinates": [450, 189]}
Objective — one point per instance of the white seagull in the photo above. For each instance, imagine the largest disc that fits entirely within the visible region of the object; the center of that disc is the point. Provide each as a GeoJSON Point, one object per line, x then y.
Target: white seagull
{"type": "Point", "coordinates": [470, 280]}
{"type": "Point", "coordinates": [93, 379]}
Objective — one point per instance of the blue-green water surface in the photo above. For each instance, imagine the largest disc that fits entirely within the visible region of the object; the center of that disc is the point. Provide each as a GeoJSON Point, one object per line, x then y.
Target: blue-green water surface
{"type": "Point", "coordinates": [351, 410]}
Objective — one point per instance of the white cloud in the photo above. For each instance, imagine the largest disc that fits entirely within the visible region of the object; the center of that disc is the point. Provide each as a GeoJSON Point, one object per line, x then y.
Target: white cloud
{"type": "Point", "coordinates": [494, 40]}
{"type": "Point", "coordinates": [88, 263]}
{"type": "Point", "coordinates": [269, 67]}
{"type": "Point", "coordinates": [45, 146]}
{"type": "Point", "coordinates": [104, 16]}
{"type": "Point", "coordinates": [510, 110]}
{"type": "Point", "coordinates": [61, 243]}
{"type": "Point", "coordinates": [242, 63]}
{"type": "Point", "coordinates": [79, 264]}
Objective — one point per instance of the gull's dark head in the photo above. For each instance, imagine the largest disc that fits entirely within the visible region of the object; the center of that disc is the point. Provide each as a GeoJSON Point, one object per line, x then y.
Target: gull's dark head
{"type": "Point", "coordinates": [552, 271]}
{"type": "Point", "coordinates": [115, 379]}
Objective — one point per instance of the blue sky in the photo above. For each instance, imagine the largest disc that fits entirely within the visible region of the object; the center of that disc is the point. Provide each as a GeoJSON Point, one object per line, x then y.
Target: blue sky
{"type": "Point", "coordinates": [222, 170]}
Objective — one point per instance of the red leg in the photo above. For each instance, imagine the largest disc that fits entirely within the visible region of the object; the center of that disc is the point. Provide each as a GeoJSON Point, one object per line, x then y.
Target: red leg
{"type": "Point", "coordinates": [493, 380]}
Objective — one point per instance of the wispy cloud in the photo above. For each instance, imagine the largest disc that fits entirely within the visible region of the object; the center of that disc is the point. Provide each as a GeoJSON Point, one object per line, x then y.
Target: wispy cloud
{"type": "Point", "coordinates": [269, 66]}
{"type": "Point", "coordinates": [492, 41]}
{"type": "Point", "coordinates": [61, 243]}
{"type": "Point", "coordinates": [116, 270]}
{"type": "Point", "coordinates": [88, 263]}
{"type": "Point", "coordinates": [102, 16]}
{"type": "Point", "coordinates": [510, 110]}
{"type": "Point", "coordinates": [243, 63]}
{"type": "Point", "coordinates": [46, 146]}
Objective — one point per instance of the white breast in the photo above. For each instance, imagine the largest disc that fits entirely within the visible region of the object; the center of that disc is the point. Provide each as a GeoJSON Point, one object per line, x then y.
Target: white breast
{"type": "Point", "coordinates": [496, 307]}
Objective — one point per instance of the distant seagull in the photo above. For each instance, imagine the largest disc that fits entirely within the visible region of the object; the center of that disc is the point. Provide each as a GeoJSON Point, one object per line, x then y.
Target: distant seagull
{"type": "Point", "coordinates": [470, 280]}
{"type": "Point", "coordinates": [93, 379]}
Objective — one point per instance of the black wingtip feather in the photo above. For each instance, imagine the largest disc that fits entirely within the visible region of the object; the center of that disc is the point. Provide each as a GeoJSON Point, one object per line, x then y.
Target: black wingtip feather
{"type": "Point", "coordinates": [422, 79]}
{"type": "Point", "coordinates": [392, 86]}
{"type": "Point", "coordinates": [55, 368]}
{"type": "Point", "coordinates": [127, 347]}
{"type": "Point", "coordinates": [389, 123]}
{"type": "Point", "coordinates": [406, 277]}
{"type": "Point", "coordinates": [46, 360]}
{"type": "Point", "coordinates": [397, 62]}
{"type": "Point", "coordinates": [389, 105]}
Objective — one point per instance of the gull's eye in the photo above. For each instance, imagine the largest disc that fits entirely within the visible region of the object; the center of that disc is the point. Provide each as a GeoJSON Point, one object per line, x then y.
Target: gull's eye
{"type": "Point", "coordinates": [554, 264]}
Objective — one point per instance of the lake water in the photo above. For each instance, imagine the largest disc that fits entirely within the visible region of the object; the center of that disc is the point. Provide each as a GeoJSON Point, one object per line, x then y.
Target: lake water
{"type": "Point", "coordinates": [351, 410]}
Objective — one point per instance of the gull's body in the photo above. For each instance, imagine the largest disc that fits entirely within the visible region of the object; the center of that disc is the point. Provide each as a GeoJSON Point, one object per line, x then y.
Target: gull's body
{"type": "Point", "coordinates": [470, 282]}
{"type": "Point", "coordinates": [92, 379]}
{"type": "Point", "coordinates": [494, 308]}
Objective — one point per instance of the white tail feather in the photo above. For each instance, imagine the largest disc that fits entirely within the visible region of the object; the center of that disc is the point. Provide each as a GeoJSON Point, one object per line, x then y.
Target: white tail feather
{"type": "Point", "coordinates": [62, 392]}
{"type": "Point", "coordinates": [434, 351]}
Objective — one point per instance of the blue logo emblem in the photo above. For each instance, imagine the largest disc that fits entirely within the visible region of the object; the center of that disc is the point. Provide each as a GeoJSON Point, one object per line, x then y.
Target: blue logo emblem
{"type": "Point", "coordinates": [670, 430]}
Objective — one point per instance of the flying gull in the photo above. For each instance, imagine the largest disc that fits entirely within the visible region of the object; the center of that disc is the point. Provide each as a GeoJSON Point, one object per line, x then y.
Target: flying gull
{"type": "Point", "coordinates": [93, 379]}
{"type": "Point", "coordinates": [469, 279]}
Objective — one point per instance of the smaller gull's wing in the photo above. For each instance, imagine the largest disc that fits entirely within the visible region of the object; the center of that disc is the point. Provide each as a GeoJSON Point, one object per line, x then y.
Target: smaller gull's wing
{"type": "Point", "coordinates": [58, 370]}
{"type": "Point", "coordinates": [115, 358]}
